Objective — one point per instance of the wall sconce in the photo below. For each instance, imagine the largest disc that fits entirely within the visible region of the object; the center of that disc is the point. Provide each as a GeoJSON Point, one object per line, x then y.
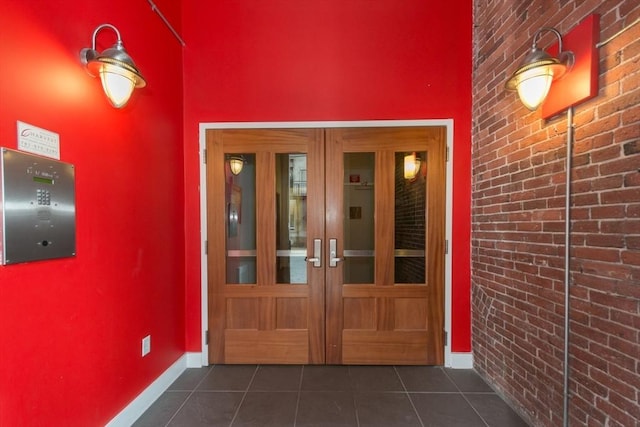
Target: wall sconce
{"type": "Point", "coordinates": [411, 166]}
{"type": "Point", "coordinates": [236, 163]}
{"type": "Point", "coordinates": [532, 80]}
{"type": "Point", "coordinates": [115, 67]}
{"type": "Point", "coordinates": [564, 80]}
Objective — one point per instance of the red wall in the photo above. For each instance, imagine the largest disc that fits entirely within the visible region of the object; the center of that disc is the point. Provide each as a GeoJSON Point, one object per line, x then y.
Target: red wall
{"type": "Point", "coordinates": [329, 60]}
{"type": "Point", "coordinates": [71, 329]}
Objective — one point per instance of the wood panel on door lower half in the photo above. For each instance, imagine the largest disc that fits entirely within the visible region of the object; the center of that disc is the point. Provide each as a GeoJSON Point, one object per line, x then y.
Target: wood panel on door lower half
{"type": "Point", "coordinates": [382, 319]}
{"type": "Point", "coordinates": [253, 316]}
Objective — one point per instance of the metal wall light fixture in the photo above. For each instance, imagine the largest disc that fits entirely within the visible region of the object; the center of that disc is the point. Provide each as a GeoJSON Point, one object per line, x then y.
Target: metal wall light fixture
{"type": "Point", "coordinates": [532, 80]}
{"type": "Point", "coordinates": [118, 73]}
{"type": "Point", "coordinates": [563, 77]}
{"type": "Point", "coordinates": [411, 166]}
{"type": "Point", "coordinates": [236, 163]}
{"type": "Point", "coordinates": [558, 84]}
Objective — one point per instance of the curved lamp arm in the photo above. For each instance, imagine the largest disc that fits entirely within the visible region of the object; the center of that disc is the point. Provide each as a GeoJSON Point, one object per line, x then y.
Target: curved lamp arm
{"type": "Point", "coordinates": [538, 33]}
{"type": "Point", "coordinates": [100, 27]}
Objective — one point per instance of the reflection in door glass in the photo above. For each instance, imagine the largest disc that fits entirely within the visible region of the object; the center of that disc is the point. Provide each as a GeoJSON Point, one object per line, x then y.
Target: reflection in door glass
{"type": "Point", "coordinates": [359, 245]}
{"type": "Point", "coordinates": [240, 221]}
{"type": "Point", "coordinates": [291, 218]}
{"type": "Point", "coordinates": [410, 217]}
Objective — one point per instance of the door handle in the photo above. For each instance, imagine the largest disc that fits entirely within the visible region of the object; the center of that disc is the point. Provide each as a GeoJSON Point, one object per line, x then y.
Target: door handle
{"type": "Point", "coordinates": [333, 253]}
{"type": "Point", "coordinates": [317, 253]}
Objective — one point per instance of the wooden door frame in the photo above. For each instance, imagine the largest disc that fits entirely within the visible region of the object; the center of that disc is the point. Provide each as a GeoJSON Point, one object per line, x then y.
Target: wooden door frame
{"type": "Point", "coordinates": [204, 127]}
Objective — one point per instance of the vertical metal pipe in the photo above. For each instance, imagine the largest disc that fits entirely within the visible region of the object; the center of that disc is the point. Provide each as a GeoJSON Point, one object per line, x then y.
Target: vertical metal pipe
{"type": "Point", "coordinates": [567, 275]}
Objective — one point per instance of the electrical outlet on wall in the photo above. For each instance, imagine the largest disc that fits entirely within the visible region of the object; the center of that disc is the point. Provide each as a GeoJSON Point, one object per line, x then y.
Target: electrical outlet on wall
{"type": "Point", "coordinates": [146, 345]}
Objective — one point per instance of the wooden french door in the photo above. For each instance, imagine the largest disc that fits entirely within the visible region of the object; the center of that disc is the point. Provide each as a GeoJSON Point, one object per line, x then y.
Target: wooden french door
{"type": "Point", "coordinates": [322, 249]}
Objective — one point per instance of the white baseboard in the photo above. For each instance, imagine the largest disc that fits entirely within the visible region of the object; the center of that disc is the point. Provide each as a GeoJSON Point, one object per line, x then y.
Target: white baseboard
{"type": "Point", "coordinates": [143, 401]}
{"type": "Point", "coordinates": [194, 360]}
{"type": "Point", "coordinates": [461, 361]}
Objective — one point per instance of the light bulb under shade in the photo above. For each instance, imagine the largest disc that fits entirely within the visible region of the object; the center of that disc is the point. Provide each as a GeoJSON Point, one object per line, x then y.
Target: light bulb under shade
{"type": "Point", "coordinates": [532, 80]}
{"type": "Point", "coordinates": [534, 87]}
{"type": "Point", "coordinates": [236, 164]}
{"type": "Point", "coordinates": [411, 166]}
{"type": "Point", "coordinates": [117, 85]}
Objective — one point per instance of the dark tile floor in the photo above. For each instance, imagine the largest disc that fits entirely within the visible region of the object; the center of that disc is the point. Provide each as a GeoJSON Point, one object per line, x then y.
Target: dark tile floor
{"type": "Point", "coordinates": [302, 396]}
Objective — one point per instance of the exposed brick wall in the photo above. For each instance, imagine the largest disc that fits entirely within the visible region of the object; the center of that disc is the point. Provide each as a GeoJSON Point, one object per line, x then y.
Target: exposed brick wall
{"type": "Point", "coordinates": [518, 229]}
{"type": "Point", "coordinates": [410, 229]}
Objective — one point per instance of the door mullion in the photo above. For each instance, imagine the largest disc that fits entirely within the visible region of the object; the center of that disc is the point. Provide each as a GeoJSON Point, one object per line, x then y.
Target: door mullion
{"type": "Point", "coordinates": [265, 221]}
{"type": "Point", "coordinates": [334, 171]}
{"type": "Point", "coordinates": [384, 236]}
{"type": "Point", "coordinates": [384, 218]}
{"type": "Point", "coordinates": [265, 235]}
{"type": "Point", "coordinates": [316, 230]}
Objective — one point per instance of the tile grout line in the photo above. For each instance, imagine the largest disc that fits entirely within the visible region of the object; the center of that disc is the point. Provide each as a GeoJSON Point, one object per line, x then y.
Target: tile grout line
{"type": "Point", "coordinates": [354, 394]}
{"type": "Point", "coordinates": [295, 415]}
{"type": "Point", "coordinates": [408, 396]}
{"type": "Point", "coordinates": [465, 397]}
{"type": "Point", "coordinates": [189, 396]}
{"type": "Point", "coordinates": [244, 395]}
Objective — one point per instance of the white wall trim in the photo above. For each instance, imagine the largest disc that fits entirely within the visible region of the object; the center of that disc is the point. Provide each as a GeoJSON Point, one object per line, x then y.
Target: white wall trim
{"type": "Point", "coordinates": [204, 280]}
{"type": "Point", "coordinates": [144, 400]}
{"type": "Point", "coordinates": [323, 124]}
{"type": "Point", "coordinates": [448, 123]}
{"type": "Point", "coordinates": [462, 360]}
{"type": "Point", "coordinates": [448, 231]}
{"type": "Point", "coordinates": [194, 360]}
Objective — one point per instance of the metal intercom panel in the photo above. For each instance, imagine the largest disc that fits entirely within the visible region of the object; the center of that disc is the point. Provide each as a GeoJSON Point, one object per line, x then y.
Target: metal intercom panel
{"type": "Point", "coordinates": [37, 208]}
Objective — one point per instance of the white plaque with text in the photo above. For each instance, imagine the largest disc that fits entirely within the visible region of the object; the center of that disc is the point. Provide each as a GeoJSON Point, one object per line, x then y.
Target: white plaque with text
{"type": "Point", "coordinates": [33, 139]}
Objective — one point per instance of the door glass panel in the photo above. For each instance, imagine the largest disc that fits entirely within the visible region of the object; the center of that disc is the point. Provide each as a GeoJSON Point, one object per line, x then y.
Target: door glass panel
{"type": "Point", "coordinates": [240, 220]}
{"type": "Point", "coordinates": [410, 217]}
{"type": "Point", "coordinates": [291, 218]}
{"type": "Point", "coordinates": [359, 245]}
